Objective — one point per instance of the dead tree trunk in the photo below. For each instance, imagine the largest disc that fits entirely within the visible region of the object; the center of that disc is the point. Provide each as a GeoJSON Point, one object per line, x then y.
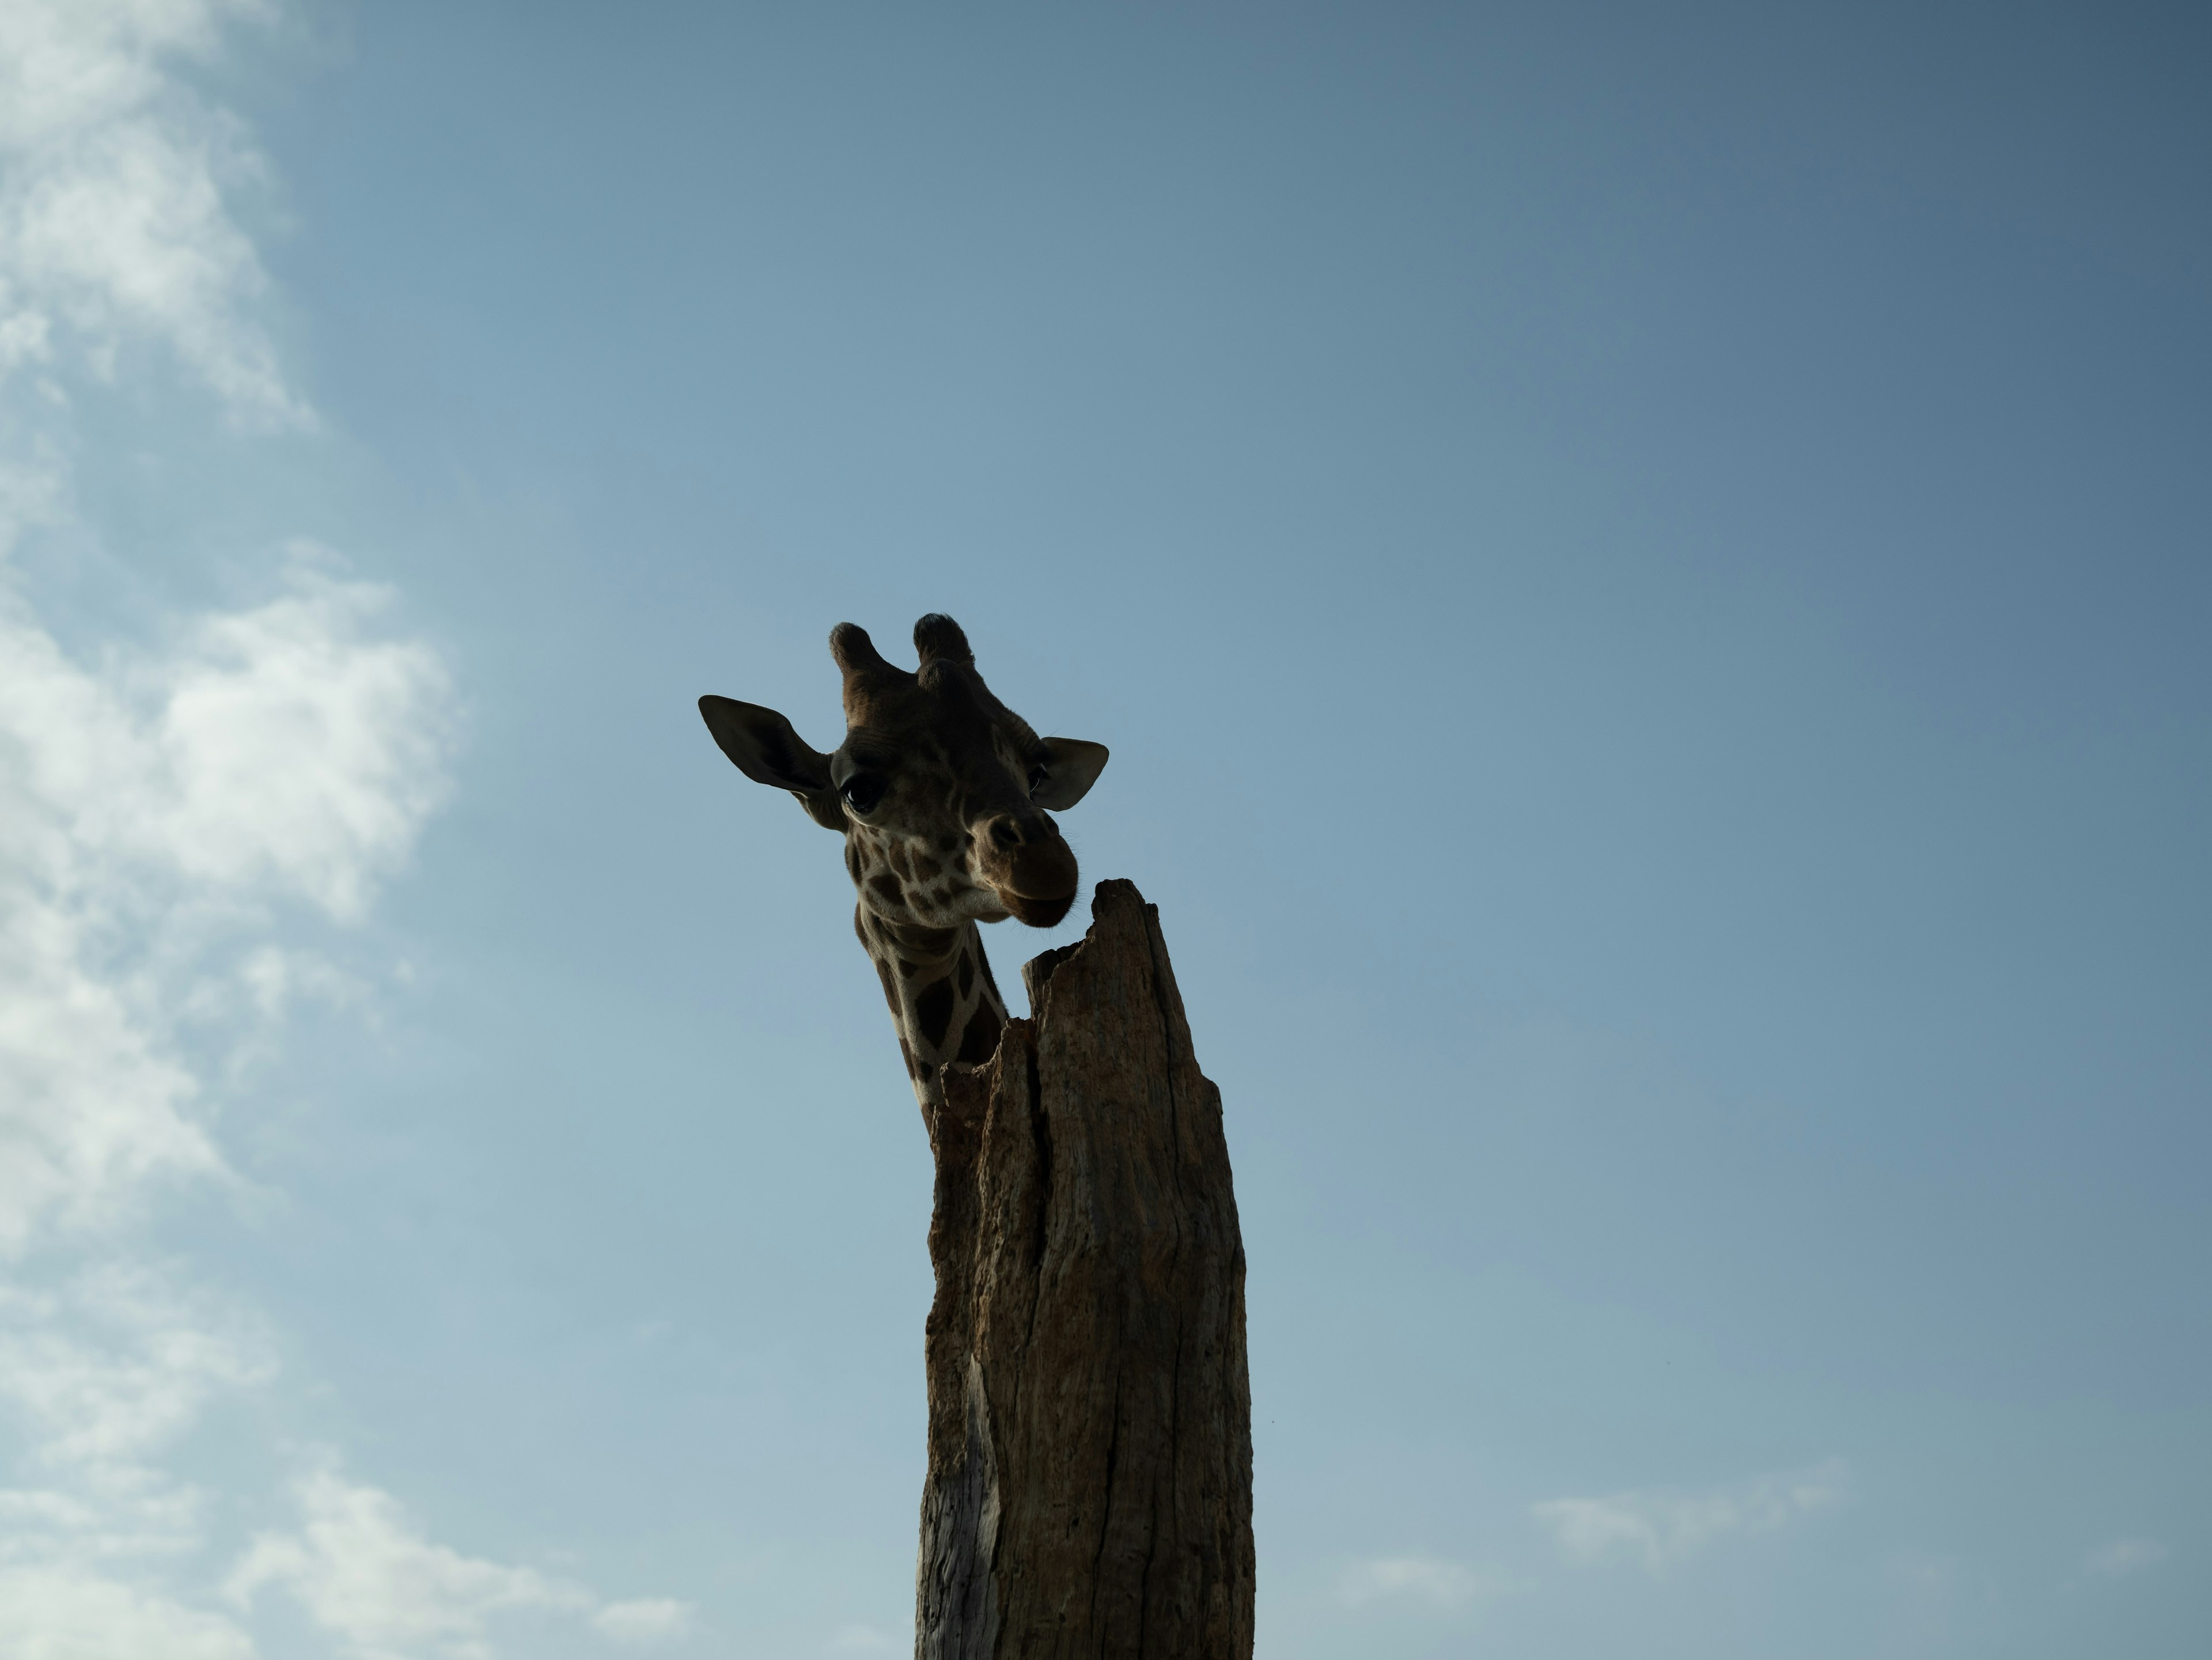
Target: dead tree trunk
{"type": "Point", "coordinates": [1090, 1486]}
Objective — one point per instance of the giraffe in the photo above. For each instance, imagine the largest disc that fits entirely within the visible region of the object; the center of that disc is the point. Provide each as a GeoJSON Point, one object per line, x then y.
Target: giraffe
{"type": "Point", "coordinates": [940, 792]}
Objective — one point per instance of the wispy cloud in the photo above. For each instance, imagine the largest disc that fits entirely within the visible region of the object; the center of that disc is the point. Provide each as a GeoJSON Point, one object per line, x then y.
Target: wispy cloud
{"type": "Point", "coordinates": [2124, 1557]}
{"type": "Point", "coordinates": [369, 1578]}
{"type": "Point", "coordinates": [137, 877]}
{"type": "Point", "coordinates": [862, 1639]}
{"type": "Point", "coordinates": [101, 1376]}
{"type": "Point", "coordinates": [644, 1619]}
{"type": "Point", "coordinates": [115, 229]}
{"type": "Point", "coordinates": [1428, 1581]}
{"type": "Point", "coordinates": [285, 752]}
{"type": "Point", "coordinates": [109, 1371]}
{"type": "Point", "coordinates": [1660, 1527]}
{"type": "Point", "coordinates": [68, 1611]}
{"type": "Point", "coordinates": [184, 825]}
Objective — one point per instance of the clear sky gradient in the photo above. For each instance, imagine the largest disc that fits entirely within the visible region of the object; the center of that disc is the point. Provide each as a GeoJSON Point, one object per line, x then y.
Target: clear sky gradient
{"type": "Point", "coordinates": [1648, 573]}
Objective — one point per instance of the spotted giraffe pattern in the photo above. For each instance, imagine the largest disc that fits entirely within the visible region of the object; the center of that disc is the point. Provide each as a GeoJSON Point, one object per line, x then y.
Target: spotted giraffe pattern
{"type": "Point", "coordinates": [940, 791]}
{"type": "Point", "coordinates": [943, 999]}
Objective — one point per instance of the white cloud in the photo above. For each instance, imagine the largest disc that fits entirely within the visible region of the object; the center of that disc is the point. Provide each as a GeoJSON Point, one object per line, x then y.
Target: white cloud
{"type": "Point", "coordinates": [118, 1362]}
{"type": "Point", "coordinates": [2126, 1556]}
{"type": "Point", "coordinates": [101, 1377]}
{"type": "Point", "coordinates": [364, 1575]}
{"type": "Point", "coordinates": [1663, 1526]}
{"type": "Point", "coordinates": [113, 225]}
{"type": "Point", "coordinates": [644, 1619]}
{"type": "Point", "coordinates": [304, 752]}
{"type": "Point", "coordinates": [93, 1109]}
{"type": "Point", "coordinates": [71, 65]}
{"type": "Point", "coordinates": [1425, 1580]}
{"type": "Point", "coordinates": [172, 819]}
{"type": "Point", "coordinates": [65, 1613]}
{"type": "Point", "coordinates": [282, 750]}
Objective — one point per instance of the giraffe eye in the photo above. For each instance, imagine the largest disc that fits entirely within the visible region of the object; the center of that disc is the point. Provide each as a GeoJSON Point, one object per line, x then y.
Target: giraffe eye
{"type": "Point", "coordinates": [1037, 776]}
{"type": "Point", "coordinates": [862, 792]}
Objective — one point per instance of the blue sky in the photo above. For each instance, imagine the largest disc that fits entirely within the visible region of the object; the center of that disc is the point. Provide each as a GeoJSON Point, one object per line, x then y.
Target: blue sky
{"type": "Point", "coordinates": [1646, 577]}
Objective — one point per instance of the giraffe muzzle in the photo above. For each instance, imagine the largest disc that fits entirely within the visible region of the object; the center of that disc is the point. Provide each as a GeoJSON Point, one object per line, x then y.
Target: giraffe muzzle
{"type": "Point", "coordinates": [1033, 869]}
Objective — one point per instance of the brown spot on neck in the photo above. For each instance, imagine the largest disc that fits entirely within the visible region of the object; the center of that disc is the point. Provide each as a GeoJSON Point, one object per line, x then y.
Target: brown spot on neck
{"type": "Point", "coordinates": [981, 1040]}
{"type": "Point", "coordinates": [932, 1012]}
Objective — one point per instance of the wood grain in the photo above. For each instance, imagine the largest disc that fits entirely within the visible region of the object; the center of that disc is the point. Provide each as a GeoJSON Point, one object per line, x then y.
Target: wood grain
{"type": "Point", "coordinates": [1089, 1494]}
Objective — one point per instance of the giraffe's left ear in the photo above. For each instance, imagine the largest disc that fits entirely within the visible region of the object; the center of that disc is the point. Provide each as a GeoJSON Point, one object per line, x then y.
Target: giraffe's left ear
{"type": "Point", "coordinates": [762, 745]}
{"type": "Point", "coordinates": [1071, 768]}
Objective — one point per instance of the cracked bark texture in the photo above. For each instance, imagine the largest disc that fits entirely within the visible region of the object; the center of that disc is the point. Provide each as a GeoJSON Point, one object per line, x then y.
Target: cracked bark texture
{"type": "Point", "coordinates": [1089, 1484]}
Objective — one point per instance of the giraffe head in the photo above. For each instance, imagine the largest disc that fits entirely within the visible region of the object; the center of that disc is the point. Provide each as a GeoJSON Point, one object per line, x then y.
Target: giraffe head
{"type": "Point", "coordinates": [941, 791]}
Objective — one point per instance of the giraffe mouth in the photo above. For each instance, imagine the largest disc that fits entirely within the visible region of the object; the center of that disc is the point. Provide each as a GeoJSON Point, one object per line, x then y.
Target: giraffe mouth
{"type": "Point", "coordinates": [1037, 912]}
{"type": "Point", "coordinates": [1039, 883]}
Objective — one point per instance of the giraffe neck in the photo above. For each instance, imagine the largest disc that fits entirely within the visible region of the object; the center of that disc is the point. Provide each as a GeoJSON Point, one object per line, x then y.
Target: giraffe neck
{"type": "Point", "coordinates": [943, 999]}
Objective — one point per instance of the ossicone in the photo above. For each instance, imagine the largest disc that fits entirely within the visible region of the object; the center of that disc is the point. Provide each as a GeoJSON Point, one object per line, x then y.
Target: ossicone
{"type": "Point", "coordinates": [855, 652]}
{"type": "Point", "coordinates": [938, 636]}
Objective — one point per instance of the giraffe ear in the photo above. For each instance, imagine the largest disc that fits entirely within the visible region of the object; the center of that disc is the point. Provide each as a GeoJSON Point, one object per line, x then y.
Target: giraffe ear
{"type": "Point", "coordinates": [1071, 768]}
{"type": "Point", "coordinates": [762, 746]}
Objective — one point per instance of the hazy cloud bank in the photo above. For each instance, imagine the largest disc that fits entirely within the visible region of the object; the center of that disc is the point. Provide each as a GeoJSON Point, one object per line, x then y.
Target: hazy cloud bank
{"type": "Point", "coordinates": [2126, 1556]}
{"type": "Point", "coordinates": [1660, 1527]}
{"type": "Point", "coordinates": [1420, 1581]}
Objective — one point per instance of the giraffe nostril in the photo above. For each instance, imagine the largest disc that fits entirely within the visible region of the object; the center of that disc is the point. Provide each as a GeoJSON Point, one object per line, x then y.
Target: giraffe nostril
{"type": "Point", "coordinates": [1005, 832]}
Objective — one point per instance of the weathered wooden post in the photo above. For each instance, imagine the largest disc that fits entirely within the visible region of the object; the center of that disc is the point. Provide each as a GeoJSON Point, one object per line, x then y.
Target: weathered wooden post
{"type": "Point", "coordinates": [1089, 1487]}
